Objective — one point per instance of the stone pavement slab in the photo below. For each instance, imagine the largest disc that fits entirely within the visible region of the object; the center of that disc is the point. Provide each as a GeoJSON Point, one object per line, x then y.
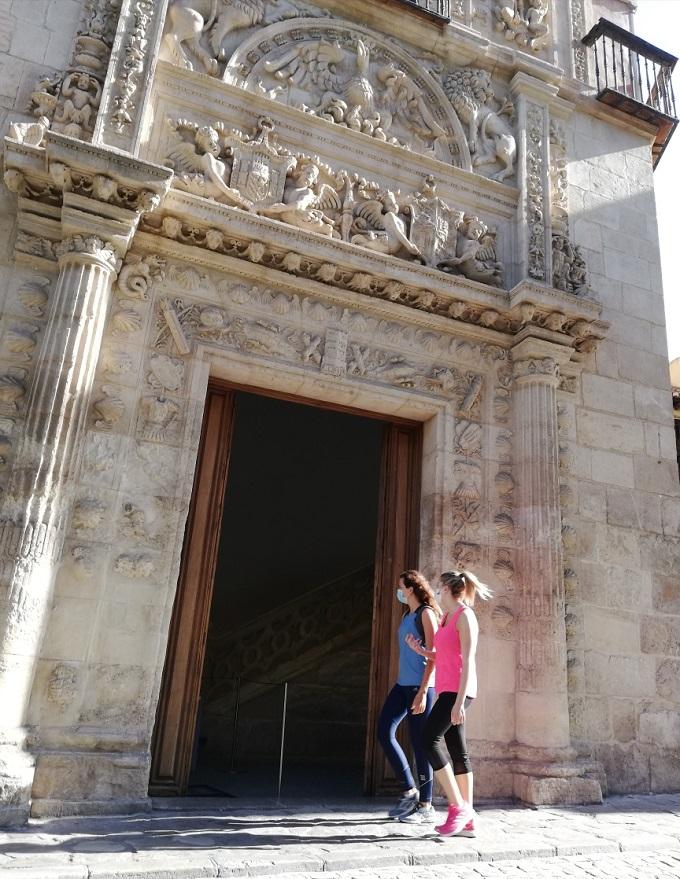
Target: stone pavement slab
{"type": "Point", "coordinates": [626, 836]}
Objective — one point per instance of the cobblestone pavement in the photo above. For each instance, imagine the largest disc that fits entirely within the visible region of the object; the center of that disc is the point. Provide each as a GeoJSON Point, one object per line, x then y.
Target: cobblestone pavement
{"type": "Point", "coordinates": [625, 838]}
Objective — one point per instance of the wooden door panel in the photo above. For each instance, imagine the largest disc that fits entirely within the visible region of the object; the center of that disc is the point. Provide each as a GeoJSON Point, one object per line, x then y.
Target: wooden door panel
{"type": "Point", "coordinates": [180, 690]}
{"type": "Point", "coordinates": [396, 551]}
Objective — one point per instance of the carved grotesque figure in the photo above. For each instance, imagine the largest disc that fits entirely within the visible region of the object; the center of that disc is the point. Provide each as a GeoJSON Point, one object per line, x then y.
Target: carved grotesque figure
{"type": "Point", "coordinates": [188, 20]}
{"type": "Point", "coordinates": [523, 21]}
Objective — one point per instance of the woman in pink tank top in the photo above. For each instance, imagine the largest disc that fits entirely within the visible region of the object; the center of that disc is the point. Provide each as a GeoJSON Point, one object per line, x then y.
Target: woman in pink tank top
{"type": "Point", "coordinates": [454, 648]}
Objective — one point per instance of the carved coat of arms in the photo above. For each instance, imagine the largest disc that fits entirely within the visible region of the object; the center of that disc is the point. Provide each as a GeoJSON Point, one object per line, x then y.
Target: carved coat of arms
{"type": "Point", "coordinates": [434, 225]}
{"type": "Point", "coordinates": [259, 170]}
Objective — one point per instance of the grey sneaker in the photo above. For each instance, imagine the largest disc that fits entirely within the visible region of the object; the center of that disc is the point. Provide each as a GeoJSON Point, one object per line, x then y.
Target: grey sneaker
{"type": "Point", "coordinates": [405, 806]}
{"type": "Point", "coordinates": [421, 815]}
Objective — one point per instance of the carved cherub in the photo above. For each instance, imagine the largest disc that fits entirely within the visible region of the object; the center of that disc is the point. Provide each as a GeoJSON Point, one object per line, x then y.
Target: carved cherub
{"type": "Point", "coordinates": [402, 100]}
{"type": "Point", "coordinates": [304, 201]}
{"type": "Point", "coordinates": [200, 170]}
{"type": "Point", "coordinates": [523, 21]}
{"type": "Point", "coordinates": [390, 232]}
{"type": "Point", "coordinates": [476, 256]}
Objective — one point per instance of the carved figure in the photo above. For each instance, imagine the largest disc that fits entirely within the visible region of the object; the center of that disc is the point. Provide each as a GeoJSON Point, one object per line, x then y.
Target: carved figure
{"type": "Point", "coordinates": [523, 22]}
{"type": "Point", "coordinates": [490, 135]}
{"type": "Point", "coordinates": [390, 232]}
{"type": "Point", "coordinates": [304, 202]}
{"type": "Point", "coordinates": [570, 273]}
{"type": "Point", "coordinates": [81, 94]}
{"type": "Point", "coordinates": [200, 170]}
{"type": "Point", "coordinates": [476, 256]}
{"type": "Point", "coordinates": [403, 100]}
{"type": "Point", "coordinates": [188, 20]}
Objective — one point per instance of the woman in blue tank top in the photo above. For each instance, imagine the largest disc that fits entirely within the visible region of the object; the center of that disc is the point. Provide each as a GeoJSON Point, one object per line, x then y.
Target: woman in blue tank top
{"type": "Point", "coordinates": [412, 696]}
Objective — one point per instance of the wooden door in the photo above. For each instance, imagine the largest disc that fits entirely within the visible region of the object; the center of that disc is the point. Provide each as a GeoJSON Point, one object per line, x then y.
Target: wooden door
{"type": "Point", "coordinates": [180, 691]}
{"type": "Point", "coordinates": [396, 551]}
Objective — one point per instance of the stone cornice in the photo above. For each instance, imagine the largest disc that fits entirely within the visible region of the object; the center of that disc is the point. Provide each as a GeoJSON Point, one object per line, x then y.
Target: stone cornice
{"type": "Point", "coordinates": [216, 229]}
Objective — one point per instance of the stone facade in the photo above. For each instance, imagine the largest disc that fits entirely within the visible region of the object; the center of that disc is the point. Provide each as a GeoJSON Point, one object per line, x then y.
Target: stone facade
{"type": "Point", "coordinates": [340, 201]}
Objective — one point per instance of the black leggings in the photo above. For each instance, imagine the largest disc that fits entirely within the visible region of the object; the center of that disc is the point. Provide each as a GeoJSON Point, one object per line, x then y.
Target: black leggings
{"type": "Point", "coordinates": [443, 742]}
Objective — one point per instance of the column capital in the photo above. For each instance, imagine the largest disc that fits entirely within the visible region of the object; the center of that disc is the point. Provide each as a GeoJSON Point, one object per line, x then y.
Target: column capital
{"type": "Point", "coordinates": [538, 359]}
{"type": "Point", "coordinates": [86, 248]}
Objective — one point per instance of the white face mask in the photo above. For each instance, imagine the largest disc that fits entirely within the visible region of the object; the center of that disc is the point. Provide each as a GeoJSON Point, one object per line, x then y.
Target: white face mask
{"type": "Point", "coordinates": [401, 598]}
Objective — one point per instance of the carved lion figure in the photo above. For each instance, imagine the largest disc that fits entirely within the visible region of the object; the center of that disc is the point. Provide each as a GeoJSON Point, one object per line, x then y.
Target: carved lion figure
{"type": "Point", "coordinates": [188, 20]}
{"type": "Point", "coordinates": [490, 136]}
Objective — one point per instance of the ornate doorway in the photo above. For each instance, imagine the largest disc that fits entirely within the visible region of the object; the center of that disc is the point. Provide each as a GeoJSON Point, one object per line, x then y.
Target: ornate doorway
{"type": "Point", "coordinates": [185, 679]}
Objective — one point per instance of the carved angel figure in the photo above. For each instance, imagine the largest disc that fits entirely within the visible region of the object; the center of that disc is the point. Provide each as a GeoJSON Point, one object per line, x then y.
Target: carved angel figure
{"type": "Point", "coordinates": [523, 22]}
{"type": "Point", "coordinates": [200, 170]}
{"type": "Point", "coordinates": [188, 20]}
{"type": "Point", "coordinates": [490, 135]}
{"type": "Point", "coordinates": [304, 201]}
{"type": "Point", "coordinates": [476, 256]}
{"type": "Point", "coordinates": [390, 232]}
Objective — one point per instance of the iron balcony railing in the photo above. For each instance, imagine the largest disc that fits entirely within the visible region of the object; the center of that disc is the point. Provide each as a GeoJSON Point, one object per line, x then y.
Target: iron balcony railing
{"type": "Point", "coordinates": [636, 77]}
{"type": "Point", "coordinates": [440, 9]}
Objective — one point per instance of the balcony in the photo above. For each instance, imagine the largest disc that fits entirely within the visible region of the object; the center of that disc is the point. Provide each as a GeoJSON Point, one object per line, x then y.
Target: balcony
{"type": "Point", "coordinates": [437, 9]}
{"type": "Point", "coordinates": [635, 77]}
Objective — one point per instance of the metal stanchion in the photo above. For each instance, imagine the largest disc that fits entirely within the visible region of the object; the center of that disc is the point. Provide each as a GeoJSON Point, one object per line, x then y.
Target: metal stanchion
{"type": "Point", "coordinates": [234, 738]}
{"type": "Point", "coordinates": [283, 738]}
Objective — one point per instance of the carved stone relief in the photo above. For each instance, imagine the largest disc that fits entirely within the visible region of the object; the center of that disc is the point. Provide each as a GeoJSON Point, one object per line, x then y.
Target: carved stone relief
{"type": "Point", "coordinates": [578, 31]}
{"type": "Point", "coordinates": [569, 272]}
{"type": "Point", "coordinates": [523, 22]}
{"type": "Point", "coordinates": [70, 100]}
{"type": "Point", "coordinates": [351, 77]}
{"type": "Point", "coordinates": [489, 120]}
{"type": "Point", "coordinates": [258, 175]}
{"type": "Point", "coordinates": [535, 195]}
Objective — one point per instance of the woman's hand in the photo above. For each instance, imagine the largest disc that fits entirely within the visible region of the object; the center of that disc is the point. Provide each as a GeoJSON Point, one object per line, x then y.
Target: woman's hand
{"type": "Point", "coordinates": [415, 644]}
{"type": "Point", "coordinates": [419, 703]}
{"type": "Point", "coordinates": [458, 714]}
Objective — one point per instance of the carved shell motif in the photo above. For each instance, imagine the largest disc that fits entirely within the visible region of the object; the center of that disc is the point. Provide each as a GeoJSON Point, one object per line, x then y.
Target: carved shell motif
{"type": "Point", "coordinates": [12, 389]}
{"type": "Point", "coordinates": [33, 297]}
{"type": "Point", "coordinates": [127, 320]}
{"type": "Point", "coordinates": [20, 339]}
{"type": "Point", "coordinates": [109, 410]}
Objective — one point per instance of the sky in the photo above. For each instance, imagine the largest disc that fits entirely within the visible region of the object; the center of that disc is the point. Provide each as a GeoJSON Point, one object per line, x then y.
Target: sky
{"type": "Point", "coordinates": [658, 22]}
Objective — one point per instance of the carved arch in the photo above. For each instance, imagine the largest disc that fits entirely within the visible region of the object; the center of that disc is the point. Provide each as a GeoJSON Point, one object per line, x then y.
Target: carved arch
{"type": "Point", "coordinates": [316, 66]}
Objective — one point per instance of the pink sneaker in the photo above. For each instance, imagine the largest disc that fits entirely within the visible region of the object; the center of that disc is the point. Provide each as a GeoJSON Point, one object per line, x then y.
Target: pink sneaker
{"type": "Point", "coordinates": [456, 820]}
{"type": "Point", "coordinates": [469, 830]}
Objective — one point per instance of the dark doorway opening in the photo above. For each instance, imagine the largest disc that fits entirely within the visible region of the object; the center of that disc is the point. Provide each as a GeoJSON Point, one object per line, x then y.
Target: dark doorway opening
{"type": "Point", "coordinates": [302, 516]}
{"type": "Point", "coordinates": [292, 605]}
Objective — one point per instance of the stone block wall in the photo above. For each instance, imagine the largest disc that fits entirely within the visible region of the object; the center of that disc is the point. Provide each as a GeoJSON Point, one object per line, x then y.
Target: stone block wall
{"type": "Point", "coordinates": [623, 555]}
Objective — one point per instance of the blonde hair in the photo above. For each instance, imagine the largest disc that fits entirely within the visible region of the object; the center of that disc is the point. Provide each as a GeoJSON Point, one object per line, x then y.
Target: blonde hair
{"type": "Point", "coordinates": [465, 585]}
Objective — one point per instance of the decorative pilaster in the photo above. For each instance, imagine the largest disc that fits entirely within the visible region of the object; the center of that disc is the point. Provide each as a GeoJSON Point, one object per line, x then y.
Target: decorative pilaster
{"type": "Point", "coordinates": [546, 772]}
{"type": "Point", "coordinates": [133, 60]}
{"type": "Point", "coordinates": [533, 121]}
{"type": "Point", "coordinates": [39, 494]}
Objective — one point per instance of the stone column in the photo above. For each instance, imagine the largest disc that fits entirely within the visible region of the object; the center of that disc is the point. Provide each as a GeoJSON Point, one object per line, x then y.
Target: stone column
{"type": "Point", "coordinates": [35, 510]}
{"type": "Point", "coordinates": [547, 770]}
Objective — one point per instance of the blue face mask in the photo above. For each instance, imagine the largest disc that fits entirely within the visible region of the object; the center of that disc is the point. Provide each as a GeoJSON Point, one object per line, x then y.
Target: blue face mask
{"type": "Point", "coordinates": [401, 598]}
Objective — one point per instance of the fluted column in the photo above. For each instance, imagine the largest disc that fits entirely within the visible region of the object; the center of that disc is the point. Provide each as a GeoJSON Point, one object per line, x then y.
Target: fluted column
{"type": "Point", "coordinates": [547, 768]}
{"type": "Point", "coordinates": [37, 503]}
